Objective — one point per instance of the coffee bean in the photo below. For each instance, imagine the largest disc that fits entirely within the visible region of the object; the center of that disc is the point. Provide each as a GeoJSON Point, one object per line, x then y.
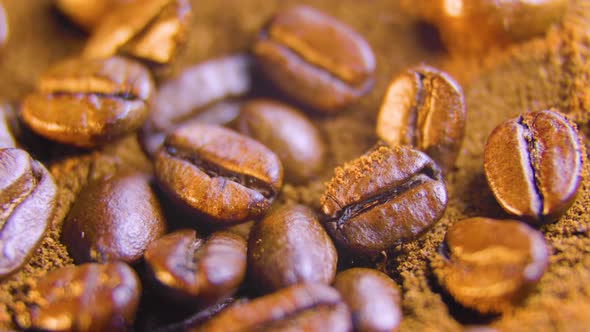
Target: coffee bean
{"type": "Point", "coordinates": [289, 246]}
{"type": "Point", "coordinates": [114, 218]}
{"type": "Point", "coordinates": [489, 264]}
{"type": "Point", "coordinates": [386, 196]}
{"type": "Point", "coordinates": [6, 137]}
{"type": "Point", "coordinates": [4, 29]}
{"type": "Point", "coordinates": [27, 201]}
{"type": "Point", "coordinates": [193, 270]}
{"type": "Point", "coordinates": [151, 30]}
{"type": "Point", "coordinates": [425, 108]}
{"type": "Point", "coordinates": [373, 298]}
{"type": "Point", "coordinates": [89, 102]}
{"type": "Point", "coordinates": [88, 14]}
{"type": "Point", "coordinates": [483, 24]}
{"type": "Point", "coordinates": [533, 164]}
{"type": "Point", "coordinates": [243, 229]}
{"type": "Point", "coordinates": [302, 307]}
{"type": "Point", "coordinates": [315, 59]}
{"type": "Point", "coordinates": [89, 297]}
{"type": "Point", "coordinates": [288, 133]}
{"type": "Point", "coordinates": [222, 175]}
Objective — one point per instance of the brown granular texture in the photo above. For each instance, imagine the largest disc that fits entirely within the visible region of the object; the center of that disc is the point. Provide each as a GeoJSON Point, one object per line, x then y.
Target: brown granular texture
{"type": "Point", "coordinates": [551, 71]}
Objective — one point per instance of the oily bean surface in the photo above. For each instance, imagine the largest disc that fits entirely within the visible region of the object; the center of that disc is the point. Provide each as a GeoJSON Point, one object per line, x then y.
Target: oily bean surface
{"type": "Point", "coordinates": [489, 265]}
{"type": "Point", "coordinates": [288, 133]}
{"type": "Point", "coordinates": [302, 307]}
{"type": "Point", "coordinates": [89, 102]}
{"type": "Point", "coordinates": [425, 108]}
{"type": "Point", "coordinates": [373, 298]}
{"type": "Point", "coordinates": [483, 24]}
{"type": "Point", "coordinates": [314, 58]}
{"type": "Point", "coordinates": [290, 246]}
{"type": "Point", "coordinates": [151, 30]}
{"type": "Point", "coordinates": [218, 82]}
{"type": "Point", "coordinates": [533, 165]}
{"type": "Point", "coordinates": [115, 218]}
{"type": "Point", "coordinates": [89, 297]}
{"type": "Point", "coordinates": [28, 199]}
{"type": "Point", "coordinates": [224, 176]}
{"type": "Point", "coordinates": [194, 270]}
{"type": "Point", "coordinates": [88, 14]}
{"type": "Point", "coordinates": [389, 195]}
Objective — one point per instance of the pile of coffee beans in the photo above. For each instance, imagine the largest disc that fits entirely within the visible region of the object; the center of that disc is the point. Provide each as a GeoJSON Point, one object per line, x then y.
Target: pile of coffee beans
{"type": "Point", "coordinates": [231, 257]}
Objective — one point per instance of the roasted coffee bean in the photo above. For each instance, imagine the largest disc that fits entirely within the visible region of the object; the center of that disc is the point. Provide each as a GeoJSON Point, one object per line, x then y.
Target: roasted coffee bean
{"type": "Point", "coordinates": [27, 201]}
{"type": "Point", "coordinates": [89, 102]}
{"type": "Point", "coordinates": [89, 297]}
{"type": "Point", "coordinates": [425, 108]}
{"type": "Point", "coordinates": [315, 59]}
{"type": "Point", "coordinates": [3, 26]}
{"type": "Point", "coordinates": [114, 218]}
{"type": "Point", "coordinates": [243, 229]}
{"type": "Point", "coordinates": [88, 14]}
{"type": "Point", "coordinates": [222, 175]}
{"type": "Point", "coordinates": [373, 299]}
{"type": "Point", "coordinates": [289, 246]}
{"type": "Point", "coordinates": [6, 138]}
{"type": "Point", "coordinates": [533, 164]}
{"type": "Point", "coordinates": [302, 307]}
{"type": "Point", "coordinates": [288, 133]}
{"type": "Point", "coordinates": [386, 196]}
{"type": "Point", "coordinates": [196, 271]}
{"type": "Point", "coordinates": [482, 24]}
{"type": "Point", "coordinates": [489, 264]}
{"type": "Point", "coordinates": [151, 30]}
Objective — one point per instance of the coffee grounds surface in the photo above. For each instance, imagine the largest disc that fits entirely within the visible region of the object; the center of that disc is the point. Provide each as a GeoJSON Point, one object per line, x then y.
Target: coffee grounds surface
{"type": "Point", "coordinates": [549, 71]}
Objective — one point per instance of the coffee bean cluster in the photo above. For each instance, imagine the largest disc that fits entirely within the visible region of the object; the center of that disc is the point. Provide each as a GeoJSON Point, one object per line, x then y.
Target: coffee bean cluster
{"type": "Point", "coordinates": [231, 257]}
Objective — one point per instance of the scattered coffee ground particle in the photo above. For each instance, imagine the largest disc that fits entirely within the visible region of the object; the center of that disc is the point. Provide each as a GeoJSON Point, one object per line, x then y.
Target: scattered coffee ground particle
{"type": "Point", "coordinates": [545, 72]}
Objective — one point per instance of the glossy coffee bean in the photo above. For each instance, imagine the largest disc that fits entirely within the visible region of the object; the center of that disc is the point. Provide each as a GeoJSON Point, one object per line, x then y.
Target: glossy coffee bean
{"type": "Point", "coordinates": [373, 298]}
{"type": "Point", "coordinates": [288, 133]}
{"type": "Point", "coordinates": [490, 264]}
{"type": "Point", "coordinates": [290, 246]}
{"type": "Point", "coordinates": [151, 30]}
{"type": "Point", "coordinates": [221, 175]}
{"type": "Point", "coordinates": [194, 270]}
{"type": "Point", "coordinates": [482, 24]}
{"type": "Point", "coordinates": [89, 102]}
{"type": "Point", "coordinates": [28, 197]}
{"type": "Point", "coordinates": [314, 58]}
{"type": "Point", "coordinates": [218, 81]}
{"type": "Point", "coordinates": [425, 108]}
{"type": "Point", "coordinates": [114, 218]}
{"type": "Point", "coordinates": [89, 297]}
{"type": "Point", "coordinates": [302, 307]}
{"type": "Point", "coordinates": [88, 14]}
{"type": "Point", "coordinates": [533, 164]}
{"type": "Point", "coordinates": [6, 137]}
{"type": "Point", "coordinates": [386, 196]}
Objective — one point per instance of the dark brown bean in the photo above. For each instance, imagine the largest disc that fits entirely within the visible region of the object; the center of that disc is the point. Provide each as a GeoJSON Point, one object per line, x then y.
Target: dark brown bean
{"type": "Point", "coordinates": [302, 307]}
{"type": "Point", "coordinates": [490, 264]}
{"type": "Point", "coordinates": [28, 199]}
{"type": "Point", "coordinates": [425, 108]}
{"type": "Point", "coordinates": [483, 24]}
{"type": "Point", "coordinates": [89, 102]}
{"type": "Point", "coordinates": [218, 173]}
{"type": "Point", "coordinates": [384, 197]}
{"type": "Point", "coordinates": [288, 133]}
{"type": "Point", "coordinates": [196, 271]}
{"type": "Point", "coordinates": [314, 58]}
{"type": "Point", "coordinates": [6, 137]}
{"type": "Point", "coordinates": [114, 218]}
{"type": "Point", "coordinates": [89, 297]}
{"type": "Point", "coordinates": [88, 14]}
{"type": "Point", "coordinates": [533, 165]}
{"type": "Point", "coordinates": [152, 30]}
{"type": "Point", "coordinates": [373, 298]}
{"type": "Point", "coordinates": [290, 246]}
